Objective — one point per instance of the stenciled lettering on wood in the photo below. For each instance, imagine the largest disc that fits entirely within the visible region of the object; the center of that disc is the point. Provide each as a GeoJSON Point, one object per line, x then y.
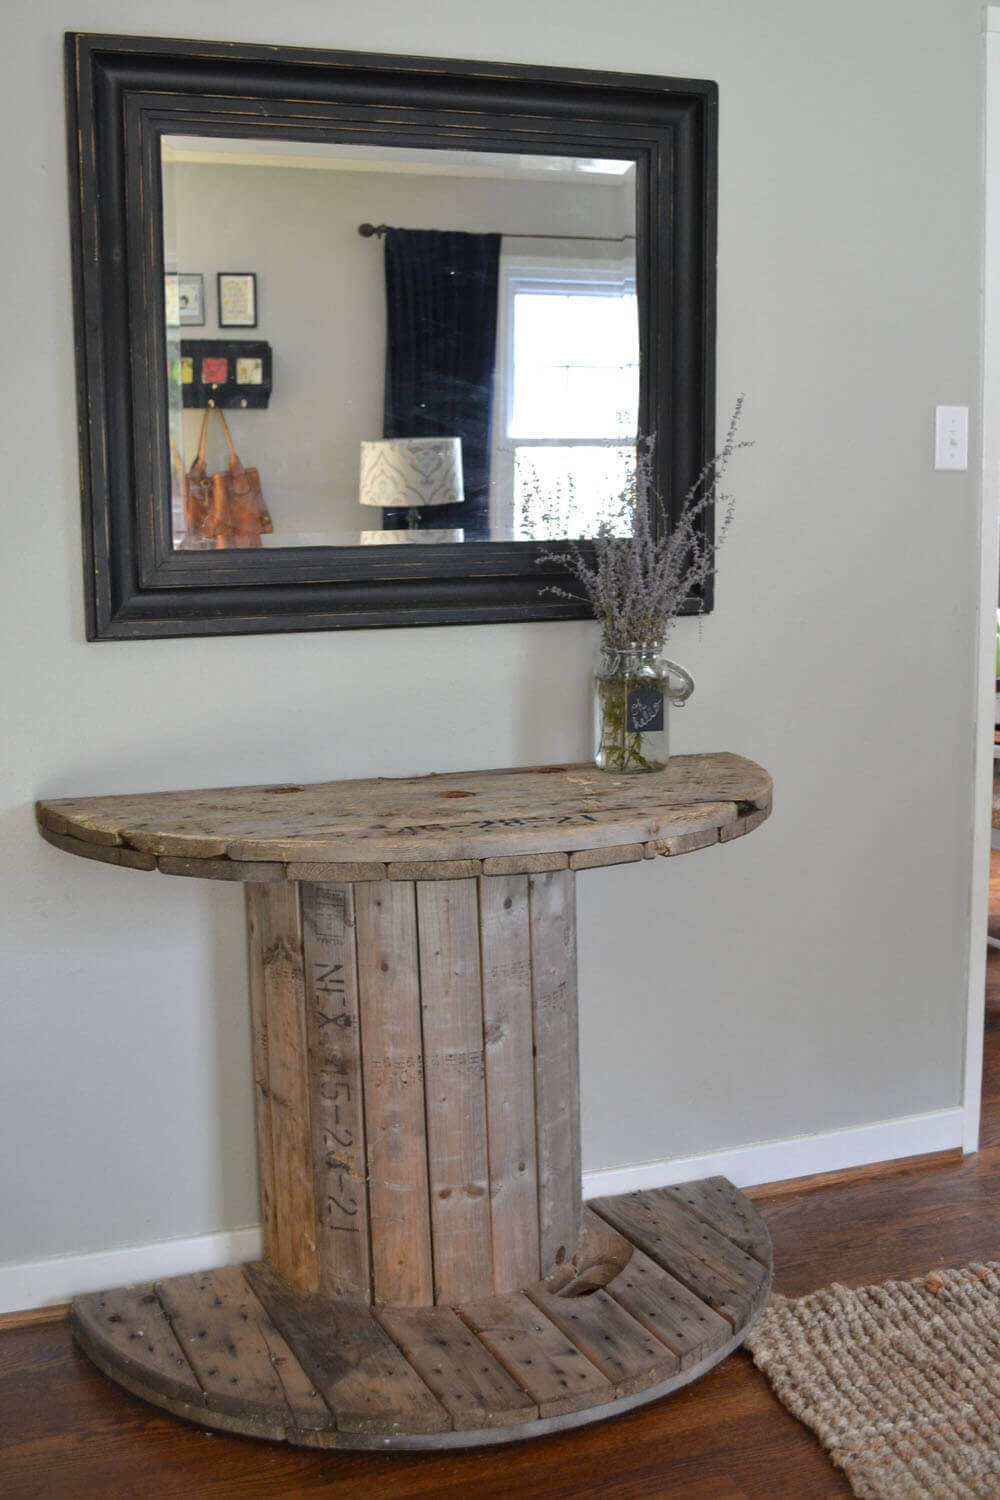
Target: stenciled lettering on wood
{"type": "Point", "coordinates": [407, 1071]}
{"type": "Point", "coordinates": [554, 1000]}
{"type": "Point", "coordinates": [395, 1114]}
{"type": "Point", "coordinates": [337, 1094]}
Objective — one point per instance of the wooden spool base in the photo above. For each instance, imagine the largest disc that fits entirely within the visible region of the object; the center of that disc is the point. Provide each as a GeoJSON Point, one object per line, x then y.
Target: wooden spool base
{"type": "Point", "coordinates": [431, 1277]}
{"type": "Point", "coordinates": [665, 1285]}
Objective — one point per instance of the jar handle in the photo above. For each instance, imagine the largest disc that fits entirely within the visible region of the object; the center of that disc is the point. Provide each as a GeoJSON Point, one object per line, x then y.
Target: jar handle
{"type": "Point", "coordinates": [680, 695]}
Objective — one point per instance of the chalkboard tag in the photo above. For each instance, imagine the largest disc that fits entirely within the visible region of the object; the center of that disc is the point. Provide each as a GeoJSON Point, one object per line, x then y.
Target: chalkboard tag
{"type": "Point", "coordinates": [645, 710]}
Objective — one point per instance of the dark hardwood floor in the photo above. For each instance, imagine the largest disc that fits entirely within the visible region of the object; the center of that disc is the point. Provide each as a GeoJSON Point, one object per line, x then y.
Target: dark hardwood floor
{"type": "Point", "coordinates": [67, 1433]}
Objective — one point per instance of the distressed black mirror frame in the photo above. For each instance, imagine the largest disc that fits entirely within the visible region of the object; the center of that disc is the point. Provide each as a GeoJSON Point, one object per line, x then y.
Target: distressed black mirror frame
{"type": "Point", "coordinates": [126, 92]}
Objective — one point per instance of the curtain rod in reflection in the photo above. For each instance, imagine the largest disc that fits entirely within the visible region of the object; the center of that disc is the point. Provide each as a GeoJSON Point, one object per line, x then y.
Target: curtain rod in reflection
{"type": "Point", "coordinates": [367, 231]}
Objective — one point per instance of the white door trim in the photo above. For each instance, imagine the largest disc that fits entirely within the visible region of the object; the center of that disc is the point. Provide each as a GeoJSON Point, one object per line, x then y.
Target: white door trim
{"type": "Point", "coordinates": [989, 572]}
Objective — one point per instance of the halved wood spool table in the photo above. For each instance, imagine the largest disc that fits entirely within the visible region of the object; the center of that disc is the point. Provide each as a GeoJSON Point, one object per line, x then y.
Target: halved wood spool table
{"type": "Point", "coordinates": [430, 1276]}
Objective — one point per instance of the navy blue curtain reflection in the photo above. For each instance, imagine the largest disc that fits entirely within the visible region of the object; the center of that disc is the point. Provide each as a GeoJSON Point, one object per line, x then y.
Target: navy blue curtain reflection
{"type": "Point", "coordinates": [441, 295]}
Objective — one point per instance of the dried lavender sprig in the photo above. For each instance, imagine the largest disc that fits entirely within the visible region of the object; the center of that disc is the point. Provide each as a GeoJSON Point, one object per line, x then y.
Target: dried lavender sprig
{"type": "Point", "coordinates": [638, 583]}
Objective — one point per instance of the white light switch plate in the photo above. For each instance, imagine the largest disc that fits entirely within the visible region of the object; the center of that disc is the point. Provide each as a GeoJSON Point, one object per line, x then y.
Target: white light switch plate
{"type": "Point", "coordinates": [951, 437]}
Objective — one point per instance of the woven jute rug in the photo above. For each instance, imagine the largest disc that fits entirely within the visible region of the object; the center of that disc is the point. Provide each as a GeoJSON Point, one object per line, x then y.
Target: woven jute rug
{"type": "Point", "coordinates": [900, 1382]}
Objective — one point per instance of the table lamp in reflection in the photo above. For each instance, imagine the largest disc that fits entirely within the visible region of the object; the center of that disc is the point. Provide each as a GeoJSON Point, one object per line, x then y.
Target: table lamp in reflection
{"type": "Point", "coordinates": [413, 475]}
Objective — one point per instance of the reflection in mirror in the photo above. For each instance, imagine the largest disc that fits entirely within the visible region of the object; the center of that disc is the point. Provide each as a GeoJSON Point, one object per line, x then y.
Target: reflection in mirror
{"type": "Point", "coordinates": [464, 369]}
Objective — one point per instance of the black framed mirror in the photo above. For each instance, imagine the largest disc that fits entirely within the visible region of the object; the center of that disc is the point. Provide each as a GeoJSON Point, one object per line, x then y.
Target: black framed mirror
{"type": "Point", "coordinates": [464, 291]}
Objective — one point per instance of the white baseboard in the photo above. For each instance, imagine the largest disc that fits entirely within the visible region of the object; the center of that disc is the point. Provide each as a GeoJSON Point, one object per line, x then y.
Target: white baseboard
{"type": "Point", "coordinates": [802, 1156]}
{"type": "Point", "coordinates": [56, 1279]}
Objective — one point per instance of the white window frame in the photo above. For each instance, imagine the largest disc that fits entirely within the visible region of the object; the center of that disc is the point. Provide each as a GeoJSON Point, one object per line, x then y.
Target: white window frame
{"type": "Point", "coordinates": [534, 274]}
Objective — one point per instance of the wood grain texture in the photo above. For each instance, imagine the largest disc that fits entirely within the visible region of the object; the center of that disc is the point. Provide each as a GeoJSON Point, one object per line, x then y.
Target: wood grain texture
{"type": "Point", "coordinates": [473, 1387]}
{"type": "Point", "coordinates": [219, 869]}
{"type": "Point", "coordinates": [730, 1282]}
{"type": "Point", "coordinates": [794, 1187]}
{"type": "Point", "coordinates": [395, 1116]}
{"type": "Point", "coordinates": [537, 1354]}
{"type": "Point", "coordinates": [104, 852]}
{"type": "Point", "coordinates": [34, 1317]}
{"type": "Point", "coordinates": [333, 1019]}
{"type": "Point", "coordinates": [719, 1204]}
{"type": "Point", "coordinates": [293, 1186]}
{"type": "Point", "coordinates": [261, 1070]}
{"type": "Point", "coordinates": [67, 1432]}
{"type": "Point", "coordinates": [505, 936]}
{"type": "Point", "coordinates": [624, 854]}
{"type": "Point", "coordinates": [334, 871]}
{"type": "Point", "coordinates": [402, 829]}
{"type": "Point", "coordinates": [455, 1089]}
{"type": "Point", "coordinates": [243, 1350]}
{"type": "Point", "coordinates": [524, 864]}
{"type": "Point", "coordinates": [131, 1328]}
{"type": "Point", "coordinates": [365, 1381]}
{"type": "Point", "coordinates": [239, 1357]}
{"type": "Point", "coordinates": [665, 1307]}
{"type": "Point", "coordinates": [552, 912]}
{"type": "Point", "coordinates": [680, 1228]}
{"type": "Point", "coordinates": [622, 1349]}
{"type": "Point", "coordinates": [601, 1254]}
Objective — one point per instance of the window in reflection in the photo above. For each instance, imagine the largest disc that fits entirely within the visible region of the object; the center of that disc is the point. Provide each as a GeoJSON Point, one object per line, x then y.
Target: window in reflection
{"type": "Point", "coordinates": [568, 402]}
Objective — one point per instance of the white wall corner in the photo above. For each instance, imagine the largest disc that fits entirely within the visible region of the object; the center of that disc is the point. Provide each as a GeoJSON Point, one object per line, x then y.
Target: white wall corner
{"type": "Point", "coordinates": [989, 514]}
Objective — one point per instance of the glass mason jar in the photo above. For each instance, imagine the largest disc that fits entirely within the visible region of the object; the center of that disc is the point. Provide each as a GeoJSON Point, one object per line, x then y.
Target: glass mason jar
{"type": "Point", "coordinates": [632, 698]}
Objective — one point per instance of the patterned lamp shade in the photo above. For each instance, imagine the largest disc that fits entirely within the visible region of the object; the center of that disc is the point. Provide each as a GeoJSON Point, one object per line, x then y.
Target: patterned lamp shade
{"type": "Point", "coordinates": [412, 472]}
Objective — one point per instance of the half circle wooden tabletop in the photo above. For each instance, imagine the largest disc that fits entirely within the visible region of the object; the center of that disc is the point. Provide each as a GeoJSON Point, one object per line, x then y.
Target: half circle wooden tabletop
{"type": "Point", "coordinates": [448, 826]}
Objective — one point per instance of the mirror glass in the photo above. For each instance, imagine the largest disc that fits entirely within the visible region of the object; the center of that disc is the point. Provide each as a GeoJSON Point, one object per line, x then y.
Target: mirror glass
{"type": "Point", "coordinates": [465, 368]}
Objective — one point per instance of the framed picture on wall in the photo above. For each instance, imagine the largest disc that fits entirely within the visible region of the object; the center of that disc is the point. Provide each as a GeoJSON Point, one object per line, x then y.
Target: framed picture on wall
{"type": "Point", "coordinates": [171, 299]}
{"type": "Point", "coordinates": [191, 298]}
{"type": "Point", "coordinates": [237, 299]}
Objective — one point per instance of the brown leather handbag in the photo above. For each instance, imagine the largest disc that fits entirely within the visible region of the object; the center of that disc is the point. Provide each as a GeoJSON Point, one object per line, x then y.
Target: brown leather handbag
{"type": "Point", "coordinates": [229, 507]}
{"type": "Point", "coordinates": [197, 491]}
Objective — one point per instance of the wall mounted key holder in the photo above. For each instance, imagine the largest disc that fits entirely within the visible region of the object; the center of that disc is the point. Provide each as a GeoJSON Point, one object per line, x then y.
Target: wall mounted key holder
{"type": "Point", "coordinates": [232, 374]}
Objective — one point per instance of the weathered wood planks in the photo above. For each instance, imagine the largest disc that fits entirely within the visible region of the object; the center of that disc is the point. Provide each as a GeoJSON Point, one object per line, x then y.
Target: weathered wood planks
{"type": "Point", "coordinates": [395, 1114]}
{"type": "Point", "coordinates": [336, 1090]}
{"type": "Point", "coordinates": [455, 1089]}
{"type": "Point", "coordinates": [505, 940]}
{"type": "Point", "coordinates": [429, 1273]}
{"type": "Point", "coordinates": [715, 1200]}
{"type": "Point", "coordinates": [415, 1060]}
{"type": "Point", "coordinates": [459, 825]}
{"type": "Point", "coordinates": [367, 1384]}
{"type": "Point", "coordinates": [239, 1358]}
{"type": "Point", "coordinates": [244, 1350]}
{"type": "Point", "coordinates": [261, 1071]}
{"type": "Point", "coordinates": [664, 1306]}
{"type": "Point", "coordinates": [622, 1349]}
{"type": "Point", "coordinates": [102, 850]}
{"type": "Point", "coordinates": [471, 1385]}
{"type": "Point", "coordinates": [552, 913]}
{"type": "Point", "coordinates": [700, 1257]}
{"type": "Point", "coordinates": [133, 1335]}
{"type": "Point", "coordinates": [278, 932]}
{"type": "Point", "coordinates": [539, 1356]}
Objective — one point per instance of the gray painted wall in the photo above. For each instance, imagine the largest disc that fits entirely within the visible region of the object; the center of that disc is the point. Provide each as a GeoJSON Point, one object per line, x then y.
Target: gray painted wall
{"type": "Point", "coordinates": [809, 978]}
